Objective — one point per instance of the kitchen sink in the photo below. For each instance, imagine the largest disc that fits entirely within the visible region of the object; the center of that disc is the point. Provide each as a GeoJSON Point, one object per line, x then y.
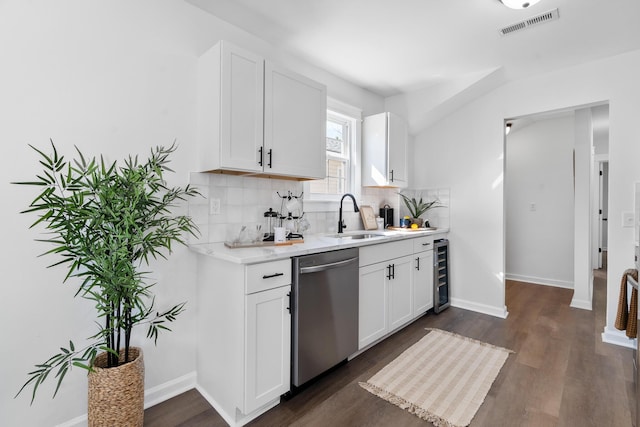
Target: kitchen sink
{"type": "Point", "coordinates": [358, 235]}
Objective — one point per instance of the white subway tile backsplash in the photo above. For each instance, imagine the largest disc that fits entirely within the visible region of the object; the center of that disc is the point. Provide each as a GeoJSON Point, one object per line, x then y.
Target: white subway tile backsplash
{"type": "Point", "coordinates": [235, 196]}
{"type": "Point", "coordinates": [243, 201]}
{"type": "Point", "coordinates": [218, 180]}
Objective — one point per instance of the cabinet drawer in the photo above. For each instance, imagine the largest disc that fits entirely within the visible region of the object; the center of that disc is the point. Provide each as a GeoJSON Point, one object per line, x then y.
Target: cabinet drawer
{"type": "Point", "coordinates": [385, 251]}
{"type": "Point", "coordinates": [267, 275]}
{"type": "Point", "coordinates": [424, 243]}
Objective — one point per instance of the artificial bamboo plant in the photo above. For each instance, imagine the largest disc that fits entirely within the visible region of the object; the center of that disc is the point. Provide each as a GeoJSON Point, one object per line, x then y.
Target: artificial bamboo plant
{"type": "Point", "coordinates": [105, 221]}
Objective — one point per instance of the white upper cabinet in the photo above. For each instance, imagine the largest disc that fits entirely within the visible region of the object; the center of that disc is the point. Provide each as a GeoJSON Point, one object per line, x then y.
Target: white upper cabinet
{"type": "Point", "coordinates": [255, 117]}
{"type": "Point", "coordinates": [295, 111]}
{"type": "Point", "coordinates": [384, 153]}
{"type": "Point", "coordinates": [230, 109]}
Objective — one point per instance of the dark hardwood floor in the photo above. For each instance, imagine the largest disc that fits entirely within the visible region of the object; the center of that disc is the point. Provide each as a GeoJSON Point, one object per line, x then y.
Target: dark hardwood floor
{"type": "Point", "coordinates": [561, 374]}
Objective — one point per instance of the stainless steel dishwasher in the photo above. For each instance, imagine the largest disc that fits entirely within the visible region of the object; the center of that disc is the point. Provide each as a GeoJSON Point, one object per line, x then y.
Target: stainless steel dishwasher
{"type": "Point", "coordinates": [324, 312]}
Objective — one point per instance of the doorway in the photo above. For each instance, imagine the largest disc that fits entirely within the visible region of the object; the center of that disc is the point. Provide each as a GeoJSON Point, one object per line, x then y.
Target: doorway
{"type": "Point", "coordinates": [551, 195]}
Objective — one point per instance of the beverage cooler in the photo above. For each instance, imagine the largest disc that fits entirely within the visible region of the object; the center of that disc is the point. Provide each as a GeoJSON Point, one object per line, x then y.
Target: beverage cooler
{"type": "Point", "coordinates": [440, 275]}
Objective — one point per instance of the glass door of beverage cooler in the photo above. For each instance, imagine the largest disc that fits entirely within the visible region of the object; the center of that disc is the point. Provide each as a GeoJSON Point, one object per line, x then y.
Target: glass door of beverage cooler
{"type": "Point", "coordinates": [440, 275]}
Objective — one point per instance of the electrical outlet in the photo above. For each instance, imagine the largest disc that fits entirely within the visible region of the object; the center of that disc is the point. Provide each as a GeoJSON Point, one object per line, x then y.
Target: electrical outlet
{"type": "Point", "coordinates": [214, 207]}
{"type": "Point", "coordinates": [628, 219]}
{"type": "Point", "coordinates": [532, 207]}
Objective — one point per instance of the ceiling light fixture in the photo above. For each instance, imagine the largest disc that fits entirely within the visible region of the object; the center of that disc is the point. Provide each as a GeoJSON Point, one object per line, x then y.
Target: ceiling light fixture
{"type": "Point", "coordinates": [519, 4]}
{"type": "Point", "coordinates": [507, 128]}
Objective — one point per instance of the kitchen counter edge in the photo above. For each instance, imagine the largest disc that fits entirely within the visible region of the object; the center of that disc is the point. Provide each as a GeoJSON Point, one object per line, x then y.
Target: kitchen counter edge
{"type": "Point", "coordinates": [312, 244]}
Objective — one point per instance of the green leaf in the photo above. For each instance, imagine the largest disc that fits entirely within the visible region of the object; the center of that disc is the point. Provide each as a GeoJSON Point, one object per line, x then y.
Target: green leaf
{"type": "Point", "coordinates": [103, 223]}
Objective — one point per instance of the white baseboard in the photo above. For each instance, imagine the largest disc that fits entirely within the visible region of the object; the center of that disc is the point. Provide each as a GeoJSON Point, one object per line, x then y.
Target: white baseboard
{"type": "Point", "coordinates": [480, 308]}
{"type": "Point", "coordinates": [582, 304]}
{"type": "Point", "coordinates": [616, 337]}
{"type": "Point", "coordinates": [228, 418]}
{"type": "Point", "coordinates": [80, 421]}
{"type": "Point", "coordinates": [539, 280]}
{"type": "Point", "coordinates": [166, 391]}
{"type": "Point", "coordinates": [231, 420]}
{"type": "Point", "coordinates": [152, 396]}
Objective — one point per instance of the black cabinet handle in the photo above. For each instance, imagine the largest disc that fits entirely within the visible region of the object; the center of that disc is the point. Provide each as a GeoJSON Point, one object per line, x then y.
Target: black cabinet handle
{"type": "Point", "coordinates": [391, 271]}
{"type": "Point", "coordinates": [289, 306]}
{"type": "Point", "coordinates": [391, 175]}
{"type": "Point", "coordinates": [269, 276]}
{"type": "Point", "coordinates": [260, 154]}
{"type": "Point", "coordinates": [270, 157]}
{"type": "Point", "coordinates": [418, 263]}
{"type": "Point", "coordinates": [426, 244]}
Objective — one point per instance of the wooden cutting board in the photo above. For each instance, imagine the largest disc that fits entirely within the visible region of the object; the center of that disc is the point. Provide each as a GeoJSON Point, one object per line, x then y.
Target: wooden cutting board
{"type": "Point", "coordinates": [412, 229]}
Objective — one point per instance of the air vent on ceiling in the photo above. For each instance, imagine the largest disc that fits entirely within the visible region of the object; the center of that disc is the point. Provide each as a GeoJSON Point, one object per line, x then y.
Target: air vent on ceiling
{"type": "Point", "coordinates": [552, 15]}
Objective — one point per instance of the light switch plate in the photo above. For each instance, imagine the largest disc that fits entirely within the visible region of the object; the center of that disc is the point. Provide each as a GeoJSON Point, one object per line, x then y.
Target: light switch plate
{"type": "Point", "coordinates": [214, 207]}
{"type": "Point", "coordinates": [628, 219]}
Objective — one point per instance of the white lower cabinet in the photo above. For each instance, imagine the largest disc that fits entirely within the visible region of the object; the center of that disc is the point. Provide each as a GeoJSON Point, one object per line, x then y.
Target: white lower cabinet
{"type": "Point", "coordinates": [422, 275]}
{"type": "Point", "coordinates": [244, 336]}
{"type": "Point", "coordinates": [396, 286]}
{"type": "Point", "coordinates": [268, 346]}
{"type": "Point", "coordinates": [422, 282]}
{"type": "Point", "coordinates": [400, 293]}
{"type": "Point", "coordinates": [386, 300]}
{"type": "Point", "coordinates": [373, 302]}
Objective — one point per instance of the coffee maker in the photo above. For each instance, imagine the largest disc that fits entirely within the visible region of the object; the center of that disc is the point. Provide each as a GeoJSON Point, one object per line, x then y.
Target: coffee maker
{"type": "Point", "coordinates": [386, 213]}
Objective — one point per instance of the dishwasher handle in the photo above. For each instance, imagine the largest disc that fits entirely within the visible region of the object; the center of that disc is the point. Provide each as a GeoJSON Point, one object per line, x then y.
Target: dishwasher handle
{"type": "Point", "coordinates": [324, 267]}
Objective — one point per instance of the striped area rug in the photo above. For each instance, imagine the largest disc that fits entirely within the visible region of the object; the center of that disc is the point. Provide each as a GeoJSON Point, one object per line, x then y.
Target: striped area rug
{"type": "Point", "coordinates": [443, 378]}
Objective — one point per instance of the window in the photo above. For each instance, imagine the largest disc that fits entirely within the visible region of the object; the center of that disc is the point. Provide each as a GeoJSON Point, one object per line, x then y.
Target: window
{"type": "Point", "coordinates": [338, 178]}
{"type": "Point", "coordinates": [341, 144]}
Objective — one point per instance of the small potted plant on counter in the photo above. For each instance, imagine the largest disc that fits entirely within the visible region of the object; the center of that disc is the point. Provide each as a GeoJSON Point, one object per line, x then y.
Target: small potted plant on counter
{"type": "Point", "coordinates": [417, 207]}
{"type": "Point", "coordinates": [105, 221]}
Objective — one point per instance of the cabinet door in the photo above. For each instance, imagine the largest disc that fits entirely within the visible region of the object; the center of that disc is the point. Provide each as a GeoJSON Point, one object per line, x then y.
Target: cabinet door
{"type": "Point", "coordinates": [373, 303]}
{"type": "Point", "coordinates": [241, 109]}
{"type": "Point", "coordinates": [295, 114]}
{"type": "Point", "coordinates": [268, 347]}
{"type": "Point", "coordinates": [400, 293]}
{"type": "Point", "coordinates": [422, 282]}
{"type": "Point", "coordinates": [375, 161]}
{"type": "Point", "coordinates": [397, 146]}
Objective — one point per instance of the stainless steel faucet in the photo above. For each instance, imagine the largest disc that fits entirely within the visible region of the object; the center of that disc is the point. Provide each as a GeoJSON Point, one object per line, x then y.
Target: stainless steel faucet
{"type": "Point", "coordinates": [341, 225]}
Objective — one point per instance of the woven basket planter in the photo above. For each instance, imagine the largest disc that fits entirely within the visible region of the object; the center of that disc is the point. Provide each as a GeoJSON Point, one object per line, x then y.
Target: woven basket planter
{"type": "Point", "coordinates": [116, 395]}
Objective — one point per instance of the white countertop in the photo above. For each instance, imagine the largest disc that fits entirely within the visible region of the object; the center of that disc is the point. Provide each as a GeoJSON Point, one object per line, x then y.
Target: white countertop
{"type": "Point", "coordinates": [312, 244]}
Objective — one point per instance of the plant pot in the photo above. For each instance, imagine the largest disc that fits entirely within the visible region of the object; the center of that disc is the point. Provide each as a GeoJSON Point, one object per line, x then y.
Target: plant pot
{"type": "Point", "coordinates": [116, 395]}
{"type": "Point", "coordinates": [418, 221]}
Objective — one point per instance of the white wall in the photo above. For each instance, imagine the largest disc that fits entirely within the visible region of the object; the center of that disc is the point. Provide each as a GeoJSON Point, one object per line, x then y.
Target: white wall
{"type": "Point", "coordinates": [466, 152]}
{"type": "Point", "coordinates": [582, 210]}
{"type": "Point", "coordinates": [115, 78]}
{"type": "Point", "coordinates": [539, 172]}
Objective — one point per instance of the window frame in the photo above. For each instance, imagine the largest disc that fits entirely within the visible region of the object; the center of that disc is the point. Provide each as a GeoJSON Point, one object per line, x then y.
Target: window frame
{"type": "Point", "coordinates": [317, 202]}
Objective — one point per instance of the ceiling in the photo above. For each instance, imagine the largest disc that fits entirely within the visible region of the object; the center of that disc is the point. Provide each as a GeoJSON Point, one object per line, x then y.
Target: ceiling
{"type": "Point", "coordinates": [395, 47]}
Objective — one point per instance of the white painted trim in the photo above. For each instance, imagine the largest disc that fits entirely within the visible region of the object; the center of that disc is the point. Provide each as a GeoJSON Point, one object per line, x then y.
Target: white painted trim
{"type": "Point", "coordinates": [581, 304]}
{"type": "Point", "coordinates": [539, 280]}
{"type": "Point", "coordinates": [344, 108]}
{"type": "Point", "coordinates": [152, 396]}
{"type": "Point", "coordinates": [170, 389]}
{"type": "Point", "coordinates": [480, 308]}
{"type": "Point", "coordinates": [616, 337]}
{"type": "Point", "coordinates": [228, 418]}
{"type": "Point", "coordinates": [76, 422]}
